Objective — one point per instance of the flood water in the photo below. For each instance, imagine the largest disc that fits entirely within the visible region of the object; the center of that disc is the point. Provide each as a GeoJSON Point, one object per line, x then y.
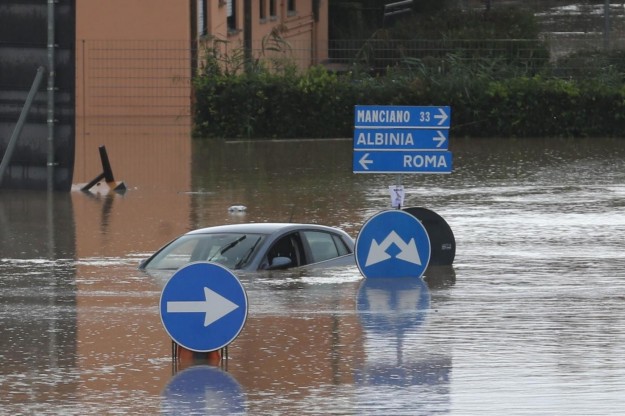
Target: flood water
{"type": "Point", "coordinates": [530, 319]}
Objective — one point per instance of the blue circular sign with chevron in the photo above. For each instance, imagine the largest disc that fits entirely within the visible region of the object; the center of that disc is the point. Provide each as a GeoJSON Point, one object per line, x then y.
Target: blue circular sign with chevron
{"type": "Point", "coordinates": [392, 244]}
{"type": "Point", "coordinates": [203, 307]}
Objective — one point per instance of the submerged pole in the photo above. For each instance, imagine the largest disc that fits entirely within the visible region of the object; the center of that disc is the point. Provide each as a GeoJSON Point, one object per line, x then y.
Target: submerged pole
{"type": "Point", "coordinates": [51, 87]}
{"type": "Point", "coordinates": [20, 123]}
{"type": "Point", "coordinates": [106, 165]}
{"type": "Point", "coordinates": [606, 22]}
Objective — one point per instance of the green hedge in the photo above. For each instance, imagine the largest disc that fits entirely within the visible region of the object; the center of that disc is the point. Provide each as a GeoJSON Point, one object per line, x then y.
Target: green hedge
{"type": "Point", "coordinates": [554, 108]}
{"type": "Point", "coordinates": [320, 104]}
{"type": "Point", "coordinates": [491, 68]}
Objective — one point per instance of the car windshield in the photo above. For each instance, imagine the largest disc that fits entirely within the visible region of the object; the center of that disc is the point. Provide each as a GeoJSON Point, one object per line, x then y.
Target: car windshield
{"type": "Point", "coordinates": [232, 250]}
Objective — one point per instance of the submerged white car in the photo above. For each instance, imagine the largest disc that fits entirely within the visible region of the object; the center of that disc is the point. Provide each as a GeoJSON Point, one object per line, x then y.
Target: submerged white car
{"type": "Point", "coordinates": [257, 246]}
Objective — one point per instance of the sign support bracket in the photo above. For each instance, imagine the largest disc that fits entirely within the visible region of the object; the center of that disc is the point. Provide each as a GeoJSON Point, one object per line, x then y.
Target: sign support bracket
{"type": "Point", "coordinates": [399, 184]}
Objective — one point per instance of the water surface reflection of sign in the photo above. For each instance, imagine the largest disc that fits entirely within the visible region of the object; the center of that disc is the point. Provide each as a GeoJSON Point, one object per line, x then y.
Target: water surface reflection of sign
{"type": "Point", "coordinates": [392, 307]}
{"type": "Point", "coordinates": [400, 361]}
{"type": "Point", "coordinates": [203, 390]}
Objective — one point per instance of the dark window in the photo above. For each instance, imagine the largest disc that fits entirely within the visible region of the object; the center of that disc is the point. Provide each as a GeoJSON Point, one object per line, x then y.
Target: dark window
{"type": "Point", "coordinates": [272, 8]}
{"type": "Point", "coordinates": [290, 6]}
{"type": "Point", "coordinates": [288, 247]}
{"type": "Point", "coordinates": [232, 14]}
{"type": "Point", "coordinates": [263, 9]}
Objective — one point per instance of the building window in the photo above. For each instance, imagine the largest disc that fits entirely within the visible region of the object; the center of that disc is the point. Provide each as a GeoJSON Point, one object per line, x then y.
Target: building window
{"type": "Point", "coordinates": [263, 10]}
{"type": "Point", "coordinates": [232, 15]}
{"type": "Point", "coordinates": [272, 9]}
{"type": "Point", "coordinates": [202, 18]}
{"type": "Point", "coordinates": [290, 7]}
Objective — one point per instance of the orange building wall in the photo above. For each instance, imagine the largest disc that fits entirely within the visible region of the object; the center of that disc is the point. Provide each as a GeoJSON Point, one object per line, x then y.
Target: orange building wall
{"type": "Point", "coordinates": [133, 19]}
{"type": "Point", "coordinates": [133, 71]}
{"type": "Point", "coordinates": [308, 38]}
{"type": "Point", "coordinates": [133, 95]}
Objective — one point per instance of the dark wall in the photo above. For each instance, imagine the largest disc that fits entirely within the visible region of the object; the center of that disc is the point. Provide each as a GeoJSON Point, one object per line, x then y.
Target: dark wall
{"type": "Point", "coordinates": [23, 48]}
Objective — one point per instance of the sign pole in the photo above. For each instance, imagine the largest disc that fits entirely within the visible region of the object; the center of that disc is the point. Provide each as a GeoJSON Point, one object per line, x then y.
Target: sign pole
{"type": "Point", "coordinates": [398, 184]}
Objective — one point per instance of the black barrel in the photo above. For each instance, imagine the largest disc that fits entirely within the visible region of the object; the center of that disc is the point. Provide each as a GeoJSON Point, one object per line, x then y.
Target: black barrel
{"type": "Point", "coordinates": [442, 241]}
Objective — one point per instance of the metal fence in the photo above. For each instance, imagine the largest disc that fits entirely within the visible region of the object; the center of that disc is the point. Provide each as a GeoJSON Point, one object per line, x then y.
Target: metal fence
{"type": "Point", "coordinates": [552, 49]}
{"type": "Point", "coordinates": [133, 87]}
{"type": "Point", "coordinates": [145, 87]}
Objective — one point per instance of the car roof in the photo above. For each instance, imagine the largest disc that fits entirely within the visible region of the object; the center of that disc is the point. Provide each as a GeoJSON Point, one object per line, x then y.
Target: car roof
{"type": "Point", "coordinates": [262, 228]}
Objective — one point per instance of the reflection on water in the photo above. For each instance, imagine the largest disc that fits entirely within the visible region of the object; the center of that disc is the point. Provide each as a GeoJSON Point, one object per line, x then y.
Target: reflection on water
{"type": "Point", "coordinates": [37, 297]}
{"type": "Point", "coordinates": [530, 319]}
{"type": "Point", "coordinates": [198, 389]}
{"type": "Point", "coordinates": [392, 314]}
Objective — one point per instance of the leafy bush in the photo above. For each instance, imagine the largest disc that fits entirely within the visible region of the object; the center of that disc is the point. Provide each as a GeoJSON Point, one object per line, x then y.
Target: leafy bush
{"type": "Point", "coordinates": [493, 91]}
{"type": "Point", "coordinates": [320, 104]}
{"type": "Point", "coordinates": [608, 66]}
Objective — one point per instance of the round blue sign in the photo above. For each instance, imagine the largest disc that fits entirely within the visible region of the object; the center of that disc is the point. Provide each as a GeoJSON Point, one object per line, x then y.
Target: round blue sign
{"type": "Point", "coordinates": [203, 307]}
{"type": "Point", "coordinates": [392, 244]}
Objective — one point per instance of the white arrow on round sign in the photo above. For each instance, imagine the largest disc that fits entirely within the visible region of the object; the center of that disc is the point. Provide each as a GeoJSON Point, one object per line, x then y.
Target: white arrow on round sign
{"type": "Point", "coordinates": [214, 306]}
{"type": "Point", "coordinates": [408, 251]}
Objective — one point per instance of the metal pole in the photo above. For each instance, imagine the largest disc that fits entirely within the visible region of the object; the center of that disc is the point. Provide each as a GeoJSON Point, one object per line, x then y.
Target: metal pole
{"type": "Point", "coordinates": [606, 30]}
{"type": "Point", "coordinates": [399, 184]}
{"type": "Point", "coordinates": [51, 87]}
{"type": "Point", "coordinates": [20, 123]}
{"type": "Point", "coordinates": [106, 165]}
{"type": "Point", "coordinates": [247, 34]}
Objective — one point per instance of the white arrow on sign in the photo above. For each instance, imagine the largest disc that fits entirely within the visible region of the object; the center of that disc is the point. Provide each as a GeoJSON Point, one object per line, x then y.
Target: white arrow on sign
{"type": "Point", "coordinates": [440, 139]}
{"type": "Point", "coordinates": [214, 306]}
{"type": "Point", "coordinates": [442, 116]}
{"type": "Point", "coordinates": [364, 162]}
{"type": "Point", "coordinates": [408, 251]}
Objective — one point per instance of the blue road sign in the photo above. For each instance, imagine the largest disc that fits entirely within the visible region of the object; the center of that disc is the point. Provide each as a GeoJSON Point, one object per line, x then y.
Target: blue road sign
{"type": "Point", "coordinates": [203, 307]}
{"type": "Point", "coordinates": [371, 138]}
{"type": "Point", "coordinates": [402, 161]}
{"type": "Point", "coordinates": [402, 116]}
{"type": "Point", "coordinates": [392, 244]}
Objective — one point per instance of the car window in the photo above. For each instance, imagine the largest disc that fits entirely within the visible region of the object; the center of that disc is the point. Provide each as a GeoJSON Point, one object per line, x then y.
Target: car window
{"type": "Point", "coordinates": [322, 246]}
{"type": "Point", "coordinates": [340, 245]}
{"type": "Point", "coordinates": [289, 246]}
{"type": "Point", "coordinates": [175, 255]}
{"type": "Point", "coordinates": [232, 250]}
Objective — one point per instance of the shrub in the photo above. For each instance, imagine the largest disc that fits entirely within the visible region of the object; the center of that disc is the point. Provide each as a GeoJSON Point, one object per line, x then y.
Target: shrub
{"type": "Point", "coordinates": [493, 91]}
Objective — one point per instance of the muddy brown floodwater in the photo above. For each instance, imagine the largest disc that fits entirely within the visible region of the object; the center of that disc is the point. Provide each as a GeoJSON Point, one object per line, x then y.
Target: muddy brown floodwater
{"type": "Point", "coordinates": [530, 319]}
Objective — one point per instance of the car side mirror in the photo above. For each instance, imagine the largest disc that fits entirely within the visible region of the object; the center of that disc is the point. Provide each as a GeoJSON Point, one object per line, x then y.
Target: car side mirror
{"type": "Point", "coordinates": [280, 263]}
